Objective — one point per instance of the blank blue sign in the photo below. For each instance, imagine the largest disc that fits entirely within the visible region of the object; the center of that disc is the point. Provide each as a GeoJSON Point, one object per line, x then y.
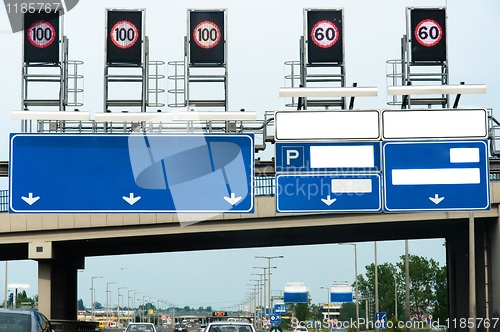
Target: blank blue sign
{"type": "Point", "coordinates": [148, 173]}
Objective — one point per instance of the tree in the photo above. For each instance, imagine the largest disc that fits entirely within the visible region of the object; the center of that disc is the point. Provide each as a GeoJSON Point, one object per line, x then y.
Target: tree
{"type": "Point", "coordinates": [385, 286]}
{"type": "Point", "coordinates": [348, 312]}
{"type": "Point", "coordinates": [441, 305]}
{"type": "Point", "coordinates": [423, 283]}
{"type": "Point", "coordinates": [80, 305]}
{"type": "Point", "coordinates": [23, 300]}
{"type": "Point", "coordinates": [428, 287]}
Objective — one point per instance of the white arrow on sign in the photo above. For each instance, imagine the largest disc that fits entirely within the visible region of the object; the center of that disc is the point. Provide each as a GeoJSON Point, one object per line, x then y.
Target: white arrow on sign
{"type": "Point", "coordinates": [436, 199]}
{"type": "Point", "coordinates": [233, 199]}
{"type": "Point", "coordinates": [30, 199]}
{"type": "Point", "coordinates": [131, 199]}
{"type": "Point", "coordinates": [328, 201]}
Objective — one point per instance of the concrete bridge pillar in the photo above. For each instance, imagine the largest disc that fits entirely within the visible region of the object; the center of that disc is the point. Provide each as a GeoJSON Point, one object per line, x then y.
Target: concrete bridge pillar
{"type": "Point", "coordinates": [57, 282]}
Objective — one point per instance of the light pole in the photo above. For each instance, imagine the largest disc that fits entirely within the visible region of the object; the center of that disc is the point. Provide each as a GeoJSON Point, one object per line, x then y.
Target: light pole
{"type": "Point", "coordinates": [376, 280]}
{"type": "Point", "coordinates": [92, 296]}
{"type": "Point", "coordinates": [328, 295]}
{"type": "Point", "coordinates": [356, 281]}
{"type": "Point", "coordinates": [149, 301]}
{"type": "Point", "coordinates": [135, 311]}
{"type": "Point", "coordinates": [395, 292]}
{"type": "Point", "coordinates": [262, 298]}
{"type": "Point", "coordinates": [128, 299]}
{"type": "Point", "coordinates": [118, 308]}
{"type": "Point", "coordinates": [269, 275]}
{"type": "Point", "coordinates": [143, 307]}
{"type": "Point", "coordinates": [107, 308]}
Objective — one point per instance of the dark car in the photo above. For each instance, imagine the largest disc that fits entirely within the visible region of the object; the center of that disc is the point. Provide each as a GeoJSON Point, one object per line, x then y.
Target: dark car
{"type": "Point", "coordinates": [180, 328]}
{"type": "Point", "coordinates": [21, 320]}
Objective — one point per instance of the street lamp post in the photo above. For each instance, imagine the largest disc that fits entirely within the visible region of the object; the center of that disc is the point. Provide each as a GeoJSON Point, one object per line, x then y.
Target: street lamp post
{"type": "Point", "coordinates": [262, 290]}
{"type": "Point", "coordinates": [269, 276]}
{"type": "Point", "coordinates": [149, 301]}
{"type": "Point", "coordinates": [135, 311]}
{"type": "Point", "coordinates": [143, 307]}
{"type": "Point", "coordinates": [92, 296]}
{"type": "Point", "coordinates": [107, 308]}
{"type": "Point", "coordinates": [118, 308]}
{"type": "Point", "coordinates": [128, 300]}
{"type": "Point", "coordinates": [328, 299]}
{"type": "Point", "coordinates": [356, 281]}
{"type": "Point", "coordinates": [395, 292]}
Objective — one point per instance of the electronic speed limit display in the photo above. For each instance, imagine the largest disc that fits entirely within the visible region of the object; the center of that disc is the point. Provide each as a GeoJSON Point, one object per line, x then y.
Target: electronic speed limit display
{"type": "Point", "coordinates": [206, 37]}
{"type": "Point", "coordinates": [324, 36]}
{"type": "Point", "coordinates": [428, 34]}
{"type": "Point", "coordinates": [124, 37]}
{"type": "Point", "coordinates": [41, 37]}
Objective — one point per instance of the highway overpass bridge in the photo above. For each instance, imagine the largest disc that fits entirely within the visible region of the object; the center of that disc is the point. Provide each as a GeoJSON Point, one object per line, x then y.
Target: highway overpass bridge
{"type": "Point", "coordinates": [60, 243]}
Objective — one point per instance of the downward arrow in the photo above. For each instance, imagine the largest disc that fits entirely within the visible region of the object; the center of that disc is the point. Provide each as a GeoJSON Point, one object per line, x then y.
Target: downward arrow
{"type": "Point", "coordinates": [233, 199]}
{"type": "Point", "coordinates": [30, 199]}
{"type": "Point", "coordinates": [328, 201]}
{"type": "Point", "coordinates": [436, 199]}
{"type": "Point", "coordinates": [131, 199]}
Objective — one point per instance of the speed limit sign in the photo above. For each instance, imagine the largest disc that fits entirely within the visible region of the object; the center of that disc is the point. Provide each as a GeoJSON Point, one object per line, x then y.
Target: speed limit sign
{"type": "Point", "coordinates": [124, 34]}
{"type": "Point", "coordinates": [41, 34]}
{"type": "Point", "coordinates": [41, 37]}
{"type": "Point", "coordinates": [324, 34]}
{"type": "Point", "coordinates": [206, 34]}
{"type": "Point", "coordinates": [428, 33]}
{"type": "Point", "coordinates": [207, 38]}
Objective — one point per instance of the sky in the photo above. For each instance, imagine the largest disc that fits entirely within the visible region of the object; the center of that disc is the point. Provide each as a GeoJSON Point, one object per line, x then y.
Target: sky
{"type": "Point", "coordinates": [262, 35]}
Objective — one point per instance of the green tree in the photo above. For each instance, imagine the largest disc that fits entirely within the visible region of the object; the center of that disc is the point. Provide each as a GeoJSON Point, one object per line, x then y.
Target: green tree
{"type": "Point", "coordinates": [302, 311]}
{"type": "Point", "coordinates": [366, 284]}
{"type": "Point", "coordinates": [423, 281]}
{"type": "Point", "coordinates": [428, 287]}
{"type": "Point", "coordinates": [348, 311]}
{"type": "Point", "coordinates": [23, 300]}
{"type": "Point", "coordinates": [80, 305]}
{"type": "Point", "coordinates": [441, 290]}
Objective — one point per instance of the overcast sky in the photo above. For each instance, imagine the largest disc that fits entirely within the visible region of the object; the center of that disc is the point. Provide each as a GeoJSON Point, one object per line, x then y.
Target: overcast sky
{"type": "Point", "coordinates": [262, 35]}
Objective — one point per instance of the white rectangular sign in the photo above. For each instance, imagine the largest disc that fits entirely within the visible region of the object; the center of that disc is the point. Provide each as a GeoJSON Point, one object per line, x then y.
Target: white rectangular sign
{"type": "Point", "coordinates": [433, 123]}
{"type": "Point", "coordinates": [321, 125]}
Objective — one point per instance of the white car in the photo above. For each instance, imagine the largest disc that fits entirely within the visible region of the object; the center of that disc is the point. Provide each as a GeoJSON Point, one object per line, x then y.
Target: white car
{"type": "Point", "coordinates": [140, 327]}
{"type": "Point", "coordinates": [230, 326]}
{"type": "Point", "coordinates": [300, 329]}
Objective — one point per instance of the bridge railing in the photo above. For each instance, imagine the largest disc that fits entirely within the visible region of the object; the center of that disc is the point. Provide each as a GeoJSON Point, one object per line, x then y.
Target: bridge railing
{"type": "Point", "coordinates": [4, 200]}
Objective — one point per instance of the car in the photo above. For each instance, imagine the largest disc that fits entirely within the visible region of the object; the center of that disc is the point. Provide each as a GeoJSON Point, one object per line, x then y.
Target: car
{"type": "Point", "coordinates": [202, 327]}
{"type": "Point", "coordinates": [230, 326]}
{"type": "Point", "coordinates": [440, 328]}
{"type": "Point", "coordinates": [140, 327]}
{"type": "Point", "coordinates": [23, 320]}
{"type": "Point", "coordinates": [180, 328]}
{"type": "Point", "coordinates": [300, 329]}
{"type": "Point", "coordinates": [337, 329]}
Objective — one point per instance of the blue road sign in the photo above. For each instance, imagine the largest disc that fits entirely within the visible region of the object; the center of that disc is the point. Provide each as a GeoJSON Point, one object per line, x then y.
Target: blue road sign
{"type": "Point", "coordinates": [436, 176]}
{"type": "Point", "coordinates": [328, 193]}
{"type": "Point", "coordinates": [295, 297]}
{"type": "Point", "coordinates": [380, 320]}
{"type": "Point", "coordinates": [342, 157]}
{"type": "Point", "coordinates": [280, 309]}
{"type": "Point", "coordinates": [134, 173]}
{"type": "Point", "coordinates": [275, 319]}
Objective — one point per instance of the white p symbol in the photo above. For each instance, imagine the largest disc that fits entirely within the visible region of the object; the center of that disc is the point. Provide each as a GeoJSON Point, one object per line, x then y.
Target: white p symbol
{"type": "Point", "coordinates": [291, 154]}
